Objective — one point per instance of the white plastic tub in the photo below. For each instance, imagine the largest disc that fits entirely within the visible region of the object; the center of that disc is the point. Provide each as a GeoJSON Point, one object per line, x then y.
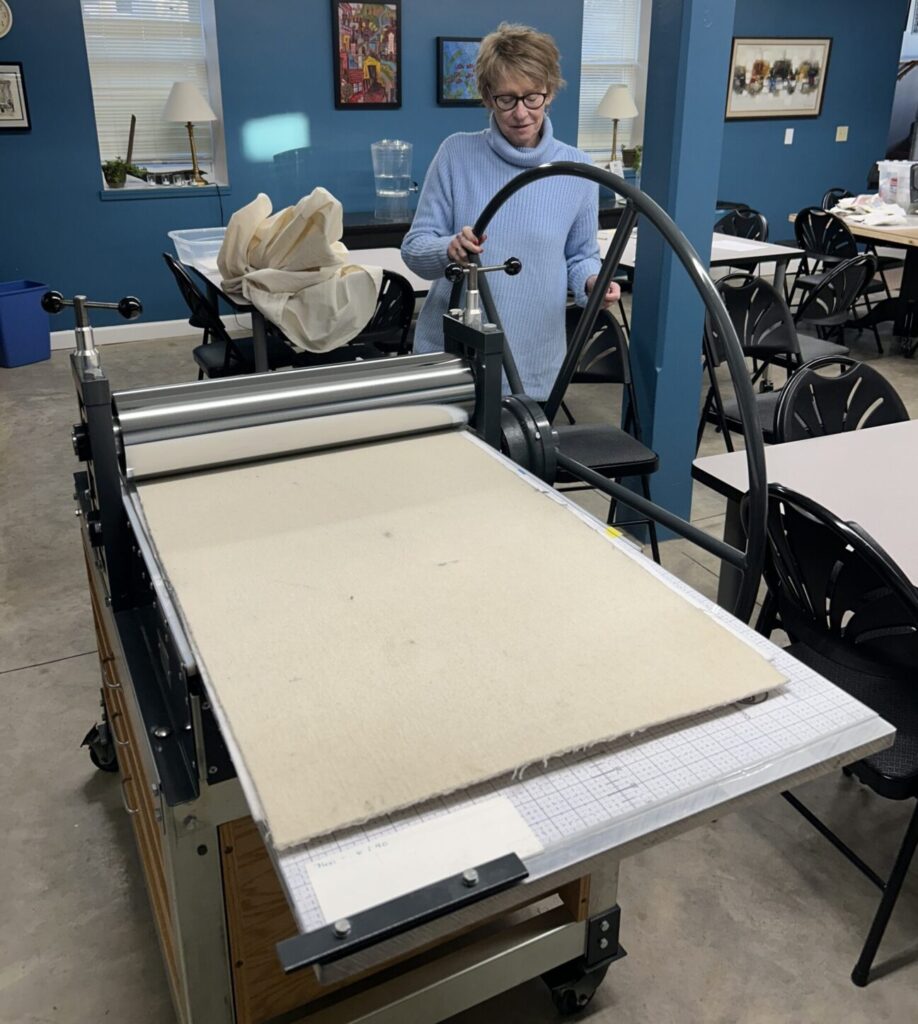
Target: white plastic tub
{"type": "Point", "coordinates": [196, 244]}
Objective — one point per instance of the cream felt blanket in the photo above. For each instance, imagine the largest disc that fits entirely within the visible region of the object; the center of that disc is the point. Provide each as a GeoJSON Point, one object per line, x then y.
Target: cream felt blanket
{"type": "Point", "coordinates": [294, 270]}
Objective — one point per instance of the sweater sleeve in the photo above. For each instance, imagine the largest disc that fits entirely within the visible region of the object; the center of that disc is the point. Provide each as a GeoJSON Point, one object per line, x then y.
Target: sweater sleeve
{"type": "Point", "coordinates": [581, 250]}
{"type": "Point", "coordinates": [424, 247]}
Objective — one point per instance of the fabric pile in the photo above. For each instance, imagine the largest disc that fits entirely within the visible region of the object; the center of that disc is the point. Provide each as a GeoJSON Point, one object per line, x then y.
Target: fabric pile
{"type": "Point", "coordinates": [294, 269]}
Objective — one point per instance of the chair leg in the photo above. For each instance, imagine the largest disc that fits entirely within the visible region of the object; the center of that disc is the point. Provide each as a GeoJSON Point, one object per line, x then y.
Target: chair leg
{"type": "Point", "coordinates": [651, 525]}
{"type": "Point", "coordinates": [861, 973]}
{"type": "Point", "coordinates": [567, 413]}
{"type": "Point", "coordinates": [873, 327]}
{"type": "Point", "coordinates": [625, 324]}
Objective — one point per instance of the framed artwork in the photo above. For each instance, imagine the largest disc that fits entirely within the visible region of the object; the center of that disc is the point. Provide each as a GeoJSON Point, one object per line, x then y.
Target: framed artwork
{"type": "Point", "coordinates": [368, 55]}
{"type": "Point", "coordinates": [777, 78]}
{"type": "Point", "coordinates": [14, 107]}
{"type": "Point", "coordinates": [457, 85]}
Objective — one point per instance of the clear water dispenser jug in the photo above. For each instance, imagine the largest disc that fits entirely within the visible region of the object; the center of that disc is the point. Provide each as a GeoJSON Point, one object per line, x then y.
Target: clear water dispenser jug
{"type": "Point", "coordinates": [392, 178]}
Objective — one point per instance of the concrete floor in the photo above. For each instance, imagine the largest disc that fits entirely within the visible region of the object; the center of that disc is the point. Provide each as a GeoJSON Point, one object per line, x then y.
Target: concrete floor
{"type": "Point", "coordinates": [753, 918]}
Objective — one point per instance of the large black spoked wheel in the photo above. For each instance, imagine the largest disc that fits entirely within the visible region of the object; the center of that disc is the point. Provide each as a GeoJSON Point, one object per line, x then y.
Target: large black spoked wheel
{"type": "Point", "coordinates": [573, 986]}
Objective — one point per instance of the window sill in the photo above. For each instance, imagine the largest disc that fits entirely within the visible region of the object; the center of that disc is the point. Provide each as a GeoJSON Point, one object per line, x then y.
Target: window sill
{"type": "Point", "coordinates": [117, 195]}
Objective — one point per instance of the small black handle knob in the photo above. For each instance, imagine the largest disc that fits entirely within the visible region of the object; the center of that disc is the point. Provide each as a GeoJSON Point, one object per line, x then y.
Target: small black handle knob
{"type": "Point", "coordinates": [454, 272]}
{"type": "Point", "coordinates": [130, 307]}
{"type": "Point", "coordinates": [512, 266]}
{"type": "Point", "coordinates": [52, 302]}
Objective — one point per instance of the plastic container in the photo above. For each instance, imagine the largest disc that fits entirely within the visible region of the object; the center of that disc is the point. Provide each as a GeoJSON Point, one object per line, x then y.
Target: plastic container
{"type": "Point", "coordinates": [895, 181]}
{"type": "Point", "coordinates": [392, 168]}
{"type": "Point", "coordinates": [196, 244]}
{"type": "Point", "coordinates": [25, 336]}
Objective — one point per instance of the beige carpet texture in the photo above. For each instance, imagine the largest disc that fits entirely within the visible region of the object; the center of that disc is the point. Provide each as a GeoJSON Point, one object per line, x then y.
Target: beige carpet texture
{"type": "Point", "coordinates": [385, 623]}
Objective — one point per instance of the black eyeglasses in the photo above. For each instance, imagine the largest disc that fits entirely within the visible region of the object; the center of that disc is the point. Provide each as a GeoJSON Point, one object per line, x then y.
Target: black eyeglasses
{"type": "Point", "coordinates": [531, 101]}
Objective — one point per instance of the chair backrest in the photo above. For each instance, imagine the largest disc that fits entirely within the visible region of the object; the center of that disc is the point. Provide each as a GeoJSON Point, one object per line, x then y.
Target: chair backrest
{"type": "Point", "coordinates": [837, 289]}
{"type": "Point", "coordinates": [744, 223]}
{"type": "Point", "coordinates": [818, 231]}
{"type": "Point", "coordinates": [760, 316]}
{"type": "Point", "coordinates": [837, 590]}
{"type": "Point", "coordinates": [833, 195]}
{"type": "Point", "coordinates": [389, 324]}
{"type": "Point", "coordinates": [203, 312]}
{"type": "Point", "coordinates": [604, 359]}
{"type": "Point", "coordinates": [813, 404]}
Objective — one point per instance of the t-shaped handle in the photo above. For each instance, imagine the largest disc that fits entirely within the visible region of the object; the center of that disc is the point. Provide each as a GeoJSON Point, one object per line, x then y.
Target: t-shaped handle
{"type": "Point", "coordinates": [471, 314]}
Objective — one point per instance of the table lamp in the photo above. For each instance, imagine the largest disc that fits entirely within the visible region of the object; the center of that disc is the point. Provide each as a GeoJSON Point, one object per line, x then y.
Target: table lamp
{"type": "Point", "coordinates": [617, 103]}
{"type": "Point", "coordinates": [186, 104]}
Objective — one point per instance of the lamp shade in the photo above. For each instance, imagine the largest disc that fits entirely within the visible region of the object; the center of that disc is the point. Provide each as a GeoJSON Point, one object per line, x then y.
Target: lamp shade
{"type": "Point", "coordinates": [186, 103]}
{"type": "Point", "coordinates": [617, 103]}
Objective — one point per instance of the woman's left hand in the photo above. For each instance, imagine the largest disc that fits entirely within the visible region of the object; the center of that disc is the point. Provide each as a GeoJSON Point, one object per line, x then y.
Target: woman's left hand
{"type": "Point", "coordinates": [613, 293]}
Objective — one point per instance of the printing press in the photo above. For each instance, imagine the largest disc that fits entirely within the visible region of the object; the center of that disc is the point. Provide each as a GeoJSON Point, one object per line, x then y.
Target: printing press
{"type": "Point", "coordinates": [422, 909]}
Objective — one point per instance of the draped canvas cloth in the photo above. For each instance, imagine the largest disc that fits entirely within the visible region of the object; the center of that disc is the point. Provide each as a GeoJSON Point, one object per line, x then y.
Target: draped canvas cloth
{"type": "Point", "coordinates": [293, 268]}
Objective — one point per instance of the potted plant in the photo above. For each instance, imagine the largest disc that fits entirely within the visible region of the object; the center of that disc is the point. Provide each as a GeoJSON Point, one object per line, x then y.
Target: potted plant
{"type": "Point", "coordinates": [632, 158]}
{"type": "Point", "coordinates": [116, 171]}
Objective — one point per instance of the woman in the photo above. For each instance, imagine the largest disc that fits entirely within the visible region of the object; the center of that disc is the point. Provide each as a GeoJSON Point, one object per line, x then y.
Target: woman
{"type": "Point", "coordinates": [550, 225]}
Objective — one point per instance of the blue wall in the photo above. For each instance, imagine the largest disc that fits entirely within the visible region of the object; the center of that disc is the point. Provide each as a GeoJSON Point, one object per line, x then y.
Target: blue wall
{"type": "Point", "coordinates": [275, 58]}
{"type": "Point", "coordinates": [756, 167]}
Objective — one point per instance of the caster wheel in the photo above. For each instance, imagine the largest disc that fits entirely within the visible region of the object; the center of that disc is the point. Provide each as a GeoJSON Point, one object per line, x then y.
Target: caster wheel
{"type": "Point", "coordinates": [572, 987]}
{"type": "Point", "coordinates": [101, 749]}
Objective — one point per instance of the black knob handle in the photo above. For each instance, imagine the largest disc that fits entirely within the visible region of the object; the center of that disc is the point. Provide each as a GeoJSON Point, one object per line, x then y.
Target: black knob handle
{"type": "Point", "coordinates": [130, 307]}
{"type": "Point", "coordinates": [454, 272]}
{"type": "Point", "coordinates": [52, 302]}
{"type": "Point", "coordinates": [512, 266]}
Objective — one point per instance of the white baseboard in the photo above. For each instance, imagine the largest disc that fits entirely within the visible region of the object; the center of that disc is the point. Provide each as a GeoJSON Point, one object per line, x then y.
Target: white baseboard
{"type": "Point", "coordinates": [153, 330]}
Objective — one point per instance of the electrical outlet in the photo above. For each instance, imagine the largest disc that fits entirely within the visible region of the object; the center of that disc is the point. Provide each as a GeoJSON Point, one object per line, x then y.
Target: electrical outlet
{"type": "Point", "coordinates": [841, 133]}
{"type": "Point", "coordinates": [788, 136]}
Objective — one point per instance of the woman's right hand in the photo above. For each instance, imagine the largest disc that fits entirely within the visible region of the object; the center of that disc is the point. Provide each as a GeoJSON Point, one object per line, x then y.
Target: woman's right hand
{"type": "Point", "coordinates": [464, 245]}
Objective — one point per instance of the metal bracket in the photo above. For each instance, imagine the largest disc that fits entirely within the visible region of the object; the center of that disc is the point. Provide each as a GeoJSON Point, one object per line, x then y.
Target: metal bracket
{"type": "Point", "coordinates": [602, 945]}
{"type": "Point", "coordinates": [346, 936]}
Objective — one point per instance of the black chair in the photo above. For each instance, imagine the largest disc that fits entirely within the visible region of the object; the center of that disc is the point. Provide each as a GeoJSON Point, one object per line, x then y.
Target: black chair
{"type": "Point", "coordinates": [220, 355]}
{"type": "Point", "coordinates": [615, 452]}
{"type": "Point", "coordinates": [390, 325]}
{"type": "Point", "coordinates": [813, 404]}
{"type": "Point", "coordinates": [744, 223]}
{"type": "Point", "coordinates": [769, 337]}
{"type": "Point", "coordinates": [831, 297]}
{"type": "Point", "coordinates": [832, 196]}
{"type": "Point", "coordinates": [852, 616]}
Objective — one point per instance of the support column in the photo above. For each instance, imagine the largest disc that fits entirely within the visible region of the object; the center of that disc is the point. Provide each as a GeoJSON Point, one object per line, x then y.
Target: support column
{"type": "Point", "coordinates": [683, 135]}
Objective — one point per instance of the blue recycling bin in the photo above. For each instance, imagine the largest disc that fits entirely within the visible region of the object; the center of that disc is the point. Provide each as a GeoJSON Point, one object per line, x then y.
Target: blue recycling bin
{"type": "Point", "coordinates": [25, 336]}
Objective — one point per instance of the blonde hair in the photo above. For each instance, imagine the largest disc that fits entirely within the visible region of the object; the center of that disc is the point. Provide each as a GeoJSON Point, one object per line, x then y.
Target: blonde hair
{"type": "Point", "coordinates": [520, 51]}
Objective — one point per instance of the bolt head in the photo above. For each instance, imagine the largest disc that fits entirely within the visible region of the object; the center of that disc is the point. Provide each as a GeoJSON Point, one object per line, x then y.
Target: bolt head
{"type": "Point", "coordinates": [342, 928]}
{"type": "Point", "coordinates": [470, 878]}
{"type": "Point", "coordinates": [604, 926]}
{"type": "Point", "coordinates": [603, 943]}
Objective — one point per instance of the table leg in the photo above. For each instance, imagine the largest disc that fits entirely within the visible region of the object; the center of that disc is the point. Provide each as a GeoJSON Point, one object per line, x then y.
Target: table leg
{"type": "Point", "coordinates": [780, 273]}
{"type": "Point", "coordinates": [728, 583]}
{"type": "Point", "coordinates": [260, 342]}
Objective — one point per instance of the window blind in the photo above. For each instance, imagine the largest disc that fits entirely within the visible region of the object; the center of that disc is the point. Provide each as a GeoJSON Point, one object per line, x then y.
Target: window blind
{"type": "Point", "coordinates": [137, 49]}
{"type": "Point", "coordinates": [609, 54]}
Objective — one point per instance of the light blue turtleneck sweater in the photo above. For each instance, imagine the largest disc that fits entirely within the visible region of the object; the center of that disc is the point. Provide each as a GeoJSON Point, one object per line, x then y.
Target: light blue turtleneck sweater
{"type": "Point", "coordinates": [550, 226]}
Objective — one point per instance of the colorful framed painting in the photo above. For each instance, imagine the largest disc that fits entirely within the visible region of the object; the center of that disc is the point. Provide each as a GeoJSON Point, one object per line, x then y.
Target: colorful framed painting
{"type": "Point", "coordinates": [14, 107]}
{"type": "Point", "coordinates": [368, 55]}
{"type": "Point", "coordinates": [457, 85]}
{"type": "Point", "coordinates": [777, 78]}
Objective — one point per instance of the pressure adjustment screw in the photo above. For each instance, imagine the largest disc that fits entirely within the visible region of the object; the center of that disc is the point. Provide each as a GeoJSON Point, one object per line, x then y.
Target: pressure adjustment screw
{"type": "Point", "coordinates": [342, 928]}
{"type": "Point", "coordinates": [470, 878]}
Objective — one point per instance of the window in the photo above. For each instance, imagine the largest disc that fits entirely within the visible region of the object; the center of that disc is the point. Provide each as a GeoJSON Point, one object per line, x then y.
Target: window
{"type": "Point", "coordinates": [137, 49]}
{"type": "Point", "coordinates": [610, 54]}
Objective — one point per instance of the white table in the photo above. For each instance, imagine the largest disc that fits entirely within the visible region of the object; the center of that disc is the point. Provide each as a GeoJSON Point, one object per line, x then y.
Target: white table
{"type": "Point", "coordinates": [726, 251]}
{"type": "Point", "coordinates": [863, 476]}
